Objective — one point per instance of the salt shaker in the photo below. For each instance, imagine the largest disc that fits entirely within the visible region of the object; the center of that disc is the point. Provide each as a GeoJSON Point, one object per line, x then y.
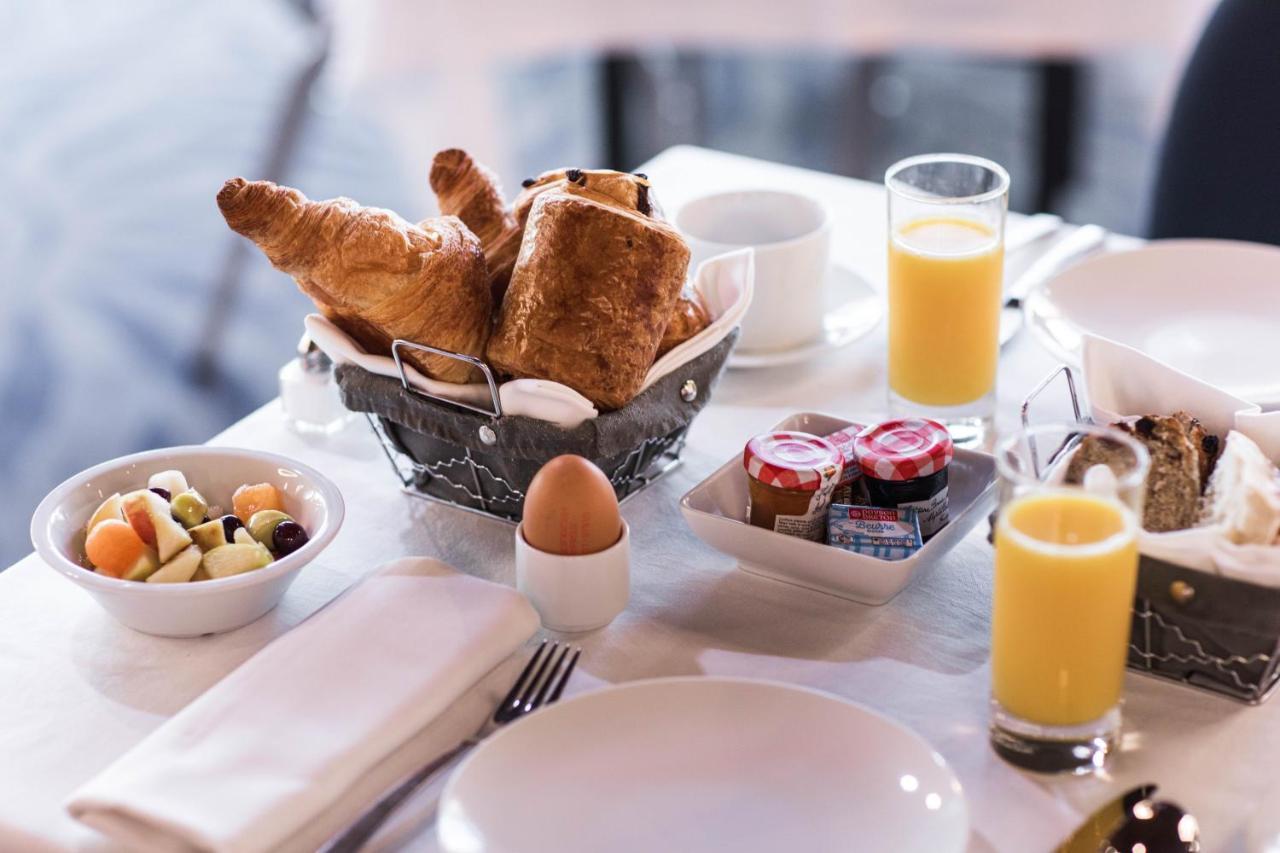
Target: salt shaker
{"type": "Point", "coordinates": [309, 394]}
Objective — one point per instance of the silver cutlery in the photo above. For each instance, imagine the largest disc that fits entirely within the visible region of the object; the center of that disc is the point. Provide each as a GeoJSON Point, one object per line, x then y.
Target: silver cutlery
{"type": "Point", "coordinates": [1029, 230]}
{"type": "Point", "coordinates": [540, 683]}
{"type": "Point", "coordinates": [1134, 822]}
{"type": "Point", "coordinates": [1082, 242]}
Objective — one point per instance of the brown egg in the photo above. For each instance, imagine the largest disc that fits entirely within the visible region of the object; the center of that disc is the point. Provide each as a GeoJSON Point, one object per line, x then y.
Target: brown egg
{"type": "Point", "coordinates": [571, 508]}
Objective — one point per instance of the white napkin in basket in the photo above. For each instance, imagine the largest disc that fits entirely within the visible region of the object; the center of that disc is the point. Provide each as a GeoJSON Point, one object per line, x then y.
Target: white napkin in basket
{"type": "Point", "coordinates": [723, 282]}
{"type": "Point", "coordinates": [284, 747]}
{"type": "Point", "coordinates": [726, 284]}
{"type": "Point", "coordinates": [1123, 382]}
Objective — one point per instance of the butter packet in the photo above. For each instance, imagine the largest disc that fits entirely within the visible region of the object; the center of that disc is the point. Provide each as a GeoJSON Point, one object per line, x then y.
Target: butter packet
{"type": "Point", "coordinates": [887, 534]}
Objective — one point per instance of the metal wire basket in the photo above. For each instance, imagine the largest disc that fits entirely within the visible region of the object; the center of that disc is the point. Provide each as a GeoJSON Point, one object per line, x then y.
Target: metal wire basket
{"type": "Point", "coordinates": [1209, 632]}
{"type": "Point", "coordinates": [482, 460]}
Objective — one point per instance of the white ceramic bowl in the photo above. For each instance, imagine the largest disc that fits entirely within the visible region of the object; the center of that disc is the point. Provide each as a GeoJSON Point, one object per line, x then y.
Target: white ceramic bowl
{"type": "Point", "coordinates": [199, 607]}
{"type": "Point", "coordinates": [716, 508]}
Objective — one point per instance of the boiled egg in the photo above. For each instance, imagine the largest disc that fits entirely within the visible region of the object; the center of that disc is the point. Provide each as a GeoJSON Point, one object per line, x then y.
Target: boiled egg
{"type": "Point", "coordinates": [571, 508]}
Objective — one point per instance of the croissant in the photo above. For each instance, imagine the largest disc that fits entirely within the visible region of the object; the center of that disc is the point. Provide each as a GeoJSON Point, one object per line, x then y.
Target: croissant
{"type": "Point", "coordinates": [376, 276]}
{"type": "Point", "coordinates": [469, 191]}
{"type": "Point", "coordinates": [593, 289]}
{"type": "Point", "coordinates": [689, 318]}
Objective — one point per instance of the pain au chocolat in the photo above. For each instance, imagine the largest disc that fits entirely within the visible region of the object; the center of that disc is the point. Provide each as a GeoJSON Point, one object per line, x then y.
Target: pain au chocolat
{"type": "Point", "coordinates": [594, 287]}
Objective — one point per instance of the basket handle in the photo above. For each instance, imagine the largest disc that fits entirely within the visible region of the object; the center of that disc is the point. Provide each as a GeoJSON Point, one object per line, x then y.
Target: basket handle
{"type": "Point", "coordinates": [1064, 371]}
{"type": "Point", "coordinates": [399, 344]}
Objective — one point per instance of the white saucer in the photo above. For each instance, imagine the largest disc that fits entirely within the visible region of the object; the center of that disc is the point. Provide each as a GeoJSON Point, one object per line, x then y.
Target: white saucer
{"type": "Point", "coordinates": [1210, 308]}
{"type": "Point", "coordinates": [703, 764]}
{"type": "Point", "coordinates": [853, 309]}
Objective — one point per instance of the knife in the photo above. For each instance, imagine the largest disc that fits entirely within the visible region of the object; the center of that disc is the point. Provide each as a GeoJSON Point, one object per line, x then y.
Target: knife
{"type": "Point", "coordinates": [1026, 231]}
{"type": "Point", "coordinates": [1096, 830]}
{"type": "Point", "coordinates": [1083, 241]}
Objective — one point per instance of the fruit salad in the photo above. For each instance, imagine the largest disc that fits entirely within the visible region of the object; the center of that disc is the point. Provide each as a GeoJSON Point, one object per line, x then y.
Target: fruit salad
{"type": "Point", "coordinates": [169, 533]}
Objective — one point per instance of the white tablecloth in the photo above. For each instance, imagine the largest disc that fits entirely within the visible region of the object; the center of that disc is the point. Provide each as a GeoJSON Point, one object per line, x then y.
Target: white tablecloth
{"type": "Point", "coordinates": [77, 689]}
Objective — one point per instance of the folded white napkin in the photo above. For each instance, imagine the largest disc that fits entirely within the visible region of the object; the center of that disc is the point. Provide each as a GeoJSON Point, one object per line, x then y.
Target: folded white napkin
{"type": "Point", "coordinates": [1123, 382]}
{"type": "Point", "coordinates": [291, 745]}
{"type": "Point", "coordinates": [723, 282]}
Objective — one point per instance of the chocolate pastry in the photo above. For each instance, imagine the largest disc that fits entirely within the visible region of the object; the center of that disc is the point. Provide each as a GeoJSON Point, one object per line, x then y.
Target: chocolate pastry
{"type": "Point", "coordinates": [593, 289]}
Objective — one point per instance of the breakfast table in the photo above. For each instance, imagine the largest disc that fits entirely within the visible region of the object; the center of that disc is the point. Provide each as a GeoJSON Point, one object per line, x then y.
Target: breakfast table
{"type": "Point", "coordinates": [80, 689]}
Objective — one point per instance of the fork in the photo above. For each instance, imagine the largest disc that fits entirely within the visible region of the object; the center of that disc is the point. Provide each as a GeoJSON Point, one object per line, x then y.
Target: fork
{"type": "Point", "coordinates": [540, 683]}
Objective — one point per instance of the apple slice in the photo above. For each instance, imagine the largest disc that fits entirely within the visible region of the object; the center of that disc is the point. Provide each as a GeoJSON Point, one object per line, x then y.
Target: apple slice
{"type": "Point", "coordinates": [235, 559]}
{"type": "Point", "coordinates": [181, 568]}
{"type": "Point", "coordinates": [210, 535]}
{"type": "Point", "coordinates": [110, 508]}
{"type": "Point", "coordinates": [173, 482]}
{"type": "Point", "coordinates": [146, 565]}
{"type": "Point", "coordinates": [149, 515]}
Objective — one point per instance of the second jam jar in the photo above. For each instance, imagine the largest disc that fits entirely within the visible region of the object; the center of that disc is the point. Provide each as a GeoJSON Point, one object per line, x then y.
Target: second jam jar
{"type": "Point", "coordinates": [904, 464]}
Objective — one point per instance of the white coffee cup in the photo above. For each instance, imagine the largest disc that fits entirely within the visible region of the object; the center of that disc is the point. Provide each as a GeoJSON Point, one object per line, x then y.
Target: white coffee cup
{"type": "Point", "coordinates": [791, 235]}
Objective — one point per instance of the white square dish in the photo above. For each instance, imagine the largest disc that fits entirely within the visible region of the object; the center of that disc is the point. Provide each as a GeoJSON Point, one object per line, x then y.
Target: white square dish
{"type": "Point", "coordinates": [716, 511]}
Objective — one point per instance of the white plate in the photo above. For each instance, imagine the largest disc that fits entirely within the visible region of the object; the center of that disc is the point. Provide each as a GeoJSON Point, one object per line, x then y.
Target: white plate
{"type": "Point", "coordinates": [716, 511]}
{"type": "Point", "coordinates": [703, 764]}
{"type": "Point", "coordinates": [853, 309]}
{"type": "Point", "coordinates": [1210, 308]}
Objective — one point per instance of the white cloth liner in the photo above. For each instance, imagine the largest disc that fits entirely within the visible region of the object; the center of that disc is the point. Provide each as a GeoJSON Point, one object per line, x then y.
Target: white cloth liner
{"type": "Point", "coordinates": [270, 756]}
{"type": "Point", "coordinates": [724, 283]}
{"type": "Point", "coordinates": [1122, 382]}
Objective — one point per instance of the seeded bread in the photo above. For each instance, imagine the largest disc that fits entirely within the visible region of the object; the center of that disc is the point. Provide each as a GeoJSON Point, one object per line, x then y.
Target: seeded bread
{"type": "Point", "coordinates": [1208, 446]}
{"type": "Point", "coordinates": [1182, 457]}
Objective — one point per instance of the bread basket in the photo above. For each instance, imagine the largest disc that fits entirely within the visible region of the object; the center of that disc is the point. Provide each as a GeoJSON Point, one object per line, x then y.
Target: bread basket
{"type": "Point", "coordinates": [482, 460]}
{"type": "Point", "coordinates": [1207, 631]}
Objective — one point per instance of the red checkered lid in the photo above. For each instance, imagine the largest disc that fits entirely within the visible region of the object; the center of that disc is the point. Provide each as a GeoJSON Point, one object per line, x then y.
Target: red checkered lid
{"type": "Point", "coordinates": [904, 449]}
{"type": "Point", "coordinates": [843, 440]}
{"type": "Point", "coordinates": [792, 460]}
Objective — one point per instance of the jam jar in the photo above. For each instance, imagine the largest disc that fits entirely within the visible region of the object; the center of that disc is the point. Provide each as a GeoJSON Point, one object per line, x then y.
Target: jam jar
{"type": "Point", "coordinates": [904, 464]}
{"type": "Point", "coordinates": [791, 477]}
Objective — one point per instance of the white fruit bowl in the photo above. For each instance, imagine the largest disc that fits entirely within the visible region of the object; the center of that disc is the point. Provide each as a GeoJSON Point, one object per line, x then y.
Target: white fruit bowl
{"type": "Point", "coordinates": [199, 607]}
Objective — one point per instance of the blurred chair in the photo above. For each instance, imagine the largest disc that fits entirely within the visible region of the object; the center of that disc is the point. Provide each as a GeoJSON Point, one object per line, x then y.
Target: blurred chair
{"type": "Point", "coordinates": [1218, 175]}
{"type": "Point", "coordinates": [282, 148]}
{"type": "Point", "coordinates": [379, 47]}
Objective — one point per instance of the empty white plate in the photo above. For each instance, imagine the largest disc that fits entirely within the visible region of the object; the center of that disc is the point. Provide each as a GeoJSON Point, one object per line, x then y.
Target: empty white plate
{"type": "Point", "coordinates": [703, 764]}
{"type": "Point", "coordinates": [1210, 308]}
{"type": "Point", "coordinates": [853, 309]}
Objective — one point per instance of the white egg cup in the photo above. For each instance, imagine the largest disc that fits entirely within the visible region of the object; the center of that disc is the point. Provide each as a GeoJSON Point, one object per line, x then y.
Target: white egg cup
{"type": "Point", "coordinates": [579, 592]}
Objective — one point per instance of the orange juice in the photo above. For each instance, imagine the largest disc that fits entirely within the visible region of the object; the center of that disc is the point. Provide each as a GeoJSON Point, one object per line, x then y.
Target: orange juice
{"type": "Point", "coordinates": [945, 277]}
{"type": "Point", "coordinates": [1066, 565]}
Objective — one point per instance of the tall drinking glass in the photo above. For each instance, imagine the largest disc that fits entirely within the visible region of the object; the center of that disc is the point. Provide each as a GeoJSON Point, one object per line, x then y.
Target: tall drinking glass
{"type": "Point", "coordinates": [946, 269]}
{"type": "Point", "coordinates": [1065, 570]}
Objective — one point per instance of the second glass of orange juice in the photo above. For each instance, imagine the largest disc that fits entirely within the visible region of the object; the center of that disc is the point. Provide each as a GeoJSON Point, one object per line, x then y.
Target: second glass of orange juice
{"type": "Point", "coordinates": [1065, 570]}
{"type": "Point", "coordinates": [946, 270]}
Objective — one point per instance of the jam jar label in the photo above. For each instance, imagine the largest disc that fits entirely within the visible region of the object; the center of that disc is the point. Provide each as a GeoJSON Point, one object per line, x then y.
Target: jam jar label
{"type": "Point", "coordinates": [813, 524]}
{"type": "Point", "coordinates": [932, 512]}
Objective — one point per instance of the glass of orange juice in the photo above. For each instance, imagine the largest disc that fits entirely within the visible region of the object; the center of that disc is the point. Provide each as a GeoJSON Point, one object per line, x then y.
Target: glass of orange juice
{"type": "Point", "coordinates": [1066, 564]}
{"type": "Point", "coordinates": [946, 272]}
